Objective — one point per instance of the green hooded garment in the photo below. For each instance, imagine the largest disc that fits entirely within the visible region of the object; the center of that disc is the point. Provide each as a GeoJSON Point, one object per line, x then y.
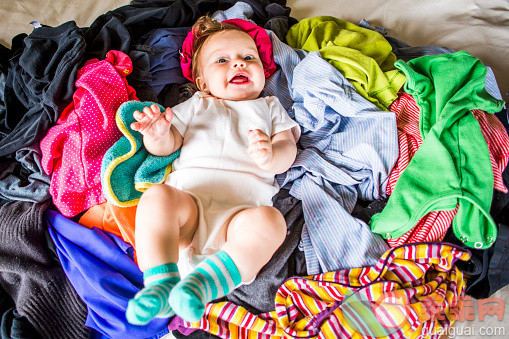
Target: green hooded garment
{"type": "Point", "coordinates": [452, 167]}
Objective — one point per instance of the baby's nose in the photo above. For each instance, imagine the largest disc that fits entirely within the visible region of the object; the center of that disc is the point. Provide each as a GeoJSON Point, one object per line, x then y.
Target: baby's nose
{"type": "Point", "coordinates": [238, 63]}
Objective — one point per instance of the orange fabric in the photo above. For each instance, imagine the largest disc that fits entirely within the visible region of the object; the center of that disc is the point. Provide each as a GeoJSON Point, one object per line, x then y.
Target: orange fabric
{"type": "Point", "coordinates": [113, 219]}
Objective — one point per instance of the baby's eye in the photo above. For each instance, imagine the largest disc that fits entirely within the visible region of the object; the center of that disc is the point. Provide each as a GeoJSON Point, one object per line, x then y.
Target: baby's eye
{"type": "Point", "coordinates": [221, 60]}
{"type": "Point", "coordinates": [248, 57]}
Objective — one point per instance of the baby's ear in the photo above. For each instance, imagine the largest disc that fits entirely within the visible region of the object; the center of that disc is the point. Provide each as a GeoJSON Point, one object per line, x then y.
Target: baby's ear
{"type": "Point", "coordinates": [200, 83]}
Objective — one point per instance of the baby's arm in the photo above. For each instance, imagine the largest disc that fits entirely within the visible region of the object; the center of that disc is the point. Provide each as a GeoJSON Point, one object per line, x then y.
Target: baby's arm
{"type": "Point", "coordinates": [274, 155]}
{"type": "Point", "coordinates": [160, 137]}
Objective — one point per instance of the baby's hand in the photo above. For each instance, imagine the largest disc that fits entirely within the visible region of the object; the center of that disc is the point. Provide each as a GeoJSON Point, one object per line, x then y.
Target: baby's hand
{"type": "Point", "coordinates": [152, 123]}
{"type": "Point", "coordinates": [260, 147]}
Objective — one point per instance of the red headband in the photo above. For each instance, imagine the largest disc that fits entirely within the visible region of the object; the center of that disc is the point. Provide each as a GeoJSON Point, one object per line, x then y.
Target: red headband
{"type": "Point", "coordinates": [259, 35]}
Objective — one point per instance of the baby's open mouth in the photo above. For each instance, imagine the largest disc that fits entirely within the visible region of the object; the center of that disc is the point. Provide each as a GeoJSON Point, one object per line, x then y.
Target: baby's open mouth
{"type": "Point", "coordinates": [239, 79]}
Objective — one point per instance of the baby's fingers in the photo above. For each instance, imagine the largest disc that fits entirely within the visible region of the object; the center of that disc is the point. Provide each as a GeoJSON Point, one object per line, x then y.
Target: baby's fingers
{"type": "Point", "coordinates": [152, 111]}
{"type": "Point", "coordinates": [138, 116]}
{"type": "Point", "coordinates": [259, 144]}
{"type": "Point", "coordinates": [135, 126]}
{"type": "Point", "coordinates": [257, 135]}
{"type": "Point", "coordinates": [142, 121]}
{"type": "Point", "coordinates": [259, 148]}
{"type": "Point", "coordinates": [168, 114]}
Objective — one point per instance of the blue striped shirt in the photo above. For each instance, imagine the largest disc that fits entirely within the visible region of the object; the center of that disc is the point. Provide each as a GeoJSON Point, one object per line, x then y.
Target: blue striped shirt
{"type": "Point", "coordinates": [346, 151]}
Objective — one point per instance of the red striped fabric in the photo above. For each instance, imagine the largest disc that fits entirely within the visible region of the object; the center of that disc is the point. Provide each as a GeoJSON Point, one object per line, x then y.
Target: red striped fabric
{"type": "Point", "coordinates": [405, 304]}
{"type": "Point", "coordinates": [498, 143]}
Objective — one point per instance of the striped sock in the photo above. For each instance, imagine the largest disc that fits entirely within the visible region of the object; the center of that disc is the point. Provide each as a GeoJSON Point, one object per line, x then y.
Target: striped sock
{"type": "Point", "coordinates": [214, 277]}
{"type": "Point", "coordinates": [152, 301]}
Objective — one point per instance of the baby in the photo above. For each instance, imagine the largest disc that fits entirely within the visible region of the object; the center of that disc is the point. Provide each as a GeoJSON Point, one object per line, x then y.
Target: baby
{"type": "Point", "coordinates": [215, 208]}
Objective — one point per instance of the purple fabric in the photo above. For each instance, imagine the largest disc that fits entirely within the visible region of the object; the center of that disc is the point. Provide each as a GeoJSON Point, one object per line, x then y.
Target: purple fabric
{"type": "Point", "coordinates": [177, 324]}
{"type": "Point", "coordinates": [99, 265]}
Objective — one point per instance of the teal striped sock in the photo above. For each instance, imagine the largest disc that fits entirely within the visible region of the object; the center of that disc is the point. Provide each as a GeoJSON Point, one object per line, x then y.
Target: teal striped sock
{"type": "Point", "coordinates": [214, 277]}
{"type": "Point", "coordinates": [152, 301]}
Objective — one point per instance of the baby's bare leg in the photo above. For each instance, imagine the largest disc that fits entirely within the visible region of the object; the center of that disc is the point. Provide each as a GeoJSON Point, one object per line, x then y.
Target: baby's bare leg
{"type": "Point", "coordinates": [252, 238]}
{"type": "Point", "coordinates": [166, 218]}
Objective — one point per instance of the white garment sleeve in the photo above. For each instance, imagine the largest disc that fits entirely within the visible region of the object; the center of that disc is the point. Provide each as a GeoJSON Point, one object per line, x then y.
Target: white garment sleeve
{"type": "Point", "coordinates": [281, 121]}
{"type": "Point", "coordinates": [183, 113]}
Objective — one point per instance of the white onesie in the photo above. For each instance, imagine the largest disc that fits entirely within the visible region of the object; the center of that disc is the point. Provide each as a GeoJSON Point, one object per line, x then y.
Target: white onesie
{"type": "Point", "coordinates": [214, 166]}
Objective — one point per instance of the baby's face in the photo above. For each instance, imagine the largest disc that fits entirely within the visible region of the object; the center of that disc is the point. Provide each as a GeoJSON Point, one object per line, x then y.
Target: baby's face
{"type": "Point", "coordinates": [230, 67]}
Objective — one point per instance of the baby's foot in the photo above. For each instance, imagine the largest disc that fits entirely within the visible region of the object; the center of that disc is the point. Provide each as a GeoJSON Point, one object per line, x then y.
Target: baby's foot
{"type": "Point", "coordinates": [153, 300]}
{"type": "Point", "coordinates": [214, 277]}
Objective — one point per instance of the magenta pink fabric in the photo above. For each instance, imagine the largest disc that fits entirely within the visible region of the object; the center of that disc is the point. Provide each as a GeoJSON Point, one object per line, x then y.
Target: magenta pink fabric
{"type": "Point", "coordinates": [259, 35]}
{"type": "Point", "coordinates": [73, 149]}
